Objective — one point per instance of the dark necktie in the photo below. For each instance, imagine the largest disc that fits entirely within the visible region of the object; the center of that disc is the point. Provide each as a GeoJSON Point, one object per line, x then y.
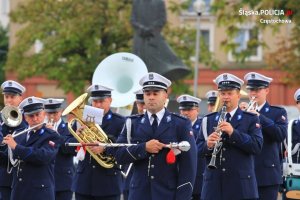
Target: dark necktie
{"type": "Point", "coordinates": [154, 123]}
{"type": "Point", "coordinates": [228, 116]}
{"type": "Point", "coordinates": [29, 134]}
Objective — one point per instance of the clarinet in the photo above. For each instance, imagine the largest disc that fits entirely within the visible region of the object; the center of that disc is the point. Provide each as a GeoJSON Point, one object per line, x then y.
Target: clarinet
{"type": "Point", "coordinates": [218, 145]}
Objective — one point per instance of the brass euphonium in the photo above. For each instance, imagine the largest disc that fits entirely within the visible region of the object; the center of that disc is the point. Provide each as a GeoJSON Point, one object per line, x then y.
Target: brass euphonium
{"type": "Point", "coordinates": [91, 133]}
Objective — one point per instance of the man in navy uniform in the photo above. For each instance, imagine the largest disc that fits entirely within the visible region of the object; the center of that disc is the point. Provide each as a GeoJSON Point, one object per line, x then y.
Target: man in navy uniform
{"type": "Point", "coordinates": [64, 167]}
{"type": "Point", "coordinates": [189, 107]}
{"type": "Point", "coordinates": [91, 180]}
{"type": "Point", "coordinates": [296, 131]}
{"type": "Point", "coordinates": [140, 105]}
{"type": "Point", "coordinates": [234, 176]}
{"type": "Point", "coordinates": [157, 175]}
{"type": "Point", "coordinates": [13, 95]}
{"type": "Point", "coordinates": [273, 120]}
{"type": "Point", "coordinates": [35, 150]}
{"type": "Point", "coordinates": [211, 96]}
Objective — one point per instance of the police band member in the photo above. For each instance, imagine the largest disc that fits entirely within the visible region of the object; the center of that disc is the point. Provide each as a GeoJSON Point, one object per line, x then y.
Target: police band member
{"type": "Point", "coordinates": [91, 180]}
{"type": "Point", "coordinates": [12, 95]}
{"type": "Point", "coordinates": [296, 132]}
{"type": "Point", "coordinates": [234, 177]}
{"type": "Point", "coordinates": [64, 168]}
{"type": "Point", "coordinates": [140, 105]}
{"type": "Point", "coordinates": [273, 120]}
{"type": "Point", "coordinates": [189, 107]}
{"type": "Point", "coordinates": [36, 151]}
{"type": "Point", "coordinates": [211, 96]}
{"type": "Point", "coordinates": [154, 176]}
{"type": "Point", "coordinates": [139, 100]}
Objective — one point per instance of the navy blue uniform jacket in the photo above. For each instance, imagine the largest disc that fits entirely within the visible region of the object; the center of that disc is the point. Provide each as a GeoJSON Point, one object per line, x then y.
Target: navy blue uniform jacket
{"type": "Point", "coordinates": [200, 160]}
{"type": "Point", "coordinates": [274, 128]}
{"type": "Point", "coordinates": [33, 178]}
{"type": "Point", "coordinates": [153, 178]}
{"type": "Point", "coordinates": [64, 167]}
{"type": "Point", "coordinates": [234, 177]}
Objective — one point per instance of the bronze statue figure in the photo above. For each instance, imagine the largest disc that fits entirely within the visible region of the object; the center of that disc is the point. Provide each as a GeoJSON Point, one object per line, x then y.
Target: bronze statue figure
{"type": "Point", "coordinates": [148, 18]}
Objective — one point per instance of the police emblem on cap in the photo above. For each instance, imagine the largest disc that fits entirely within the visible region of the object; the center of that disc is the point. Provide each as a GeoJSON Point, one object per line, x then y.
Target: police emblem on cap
{"type": "Point", "coordinates": [225, 77]}
{"type": "Point", "coordinates": [96, 87]}
{"type": "Point", "coordinates": [253, 76]}
{"type": "Point", "coordinates": [213, 93]}
{"type": "Point", "coordinates": [50, 100]}
{"type": "Point", "coordinates": [184, 98]}
{"type": "Point", "coordinates": [151, 77]}
{"type": "Point", "coordinates": [9, 83]}
{"type": "Point", "coordinates": [30, 100]}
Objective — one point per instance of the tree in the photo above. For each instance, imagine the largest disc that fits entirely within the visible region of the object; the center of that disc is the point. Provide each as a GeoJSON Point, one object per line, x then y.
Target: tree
{"type": "Point", "coordinates": [3, 54]}
{"type": "Point", "coordinates": [286, 57]}
{"type": "Point", "coordinates": [76, 35]}
{"type": "Point", "coordinates": [75, 41]}
{"type": "Point", "coordinates": [3, 51]}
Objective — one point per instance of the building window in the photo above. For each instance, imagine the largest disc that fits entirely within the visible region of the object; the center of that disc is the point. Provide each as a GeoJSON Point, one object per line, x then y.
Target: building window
{"type": "Point", "coordinates": [4, 7]}
{"type": "Point", "coordinates": [244, 36]}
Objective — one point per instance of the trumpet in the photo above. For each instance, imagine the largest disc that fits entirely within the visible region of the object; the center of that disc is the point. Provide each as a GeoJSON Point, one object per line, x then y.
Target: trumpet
{"type": "Point", "coordinates": [253, 105]}
{"type": "Point", "coordinates": [218, 145]}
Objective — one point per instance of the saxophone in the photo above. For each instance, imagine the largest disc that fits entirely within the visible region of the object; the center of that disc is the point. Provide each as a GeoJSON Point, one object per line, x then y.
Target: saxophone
{"type": "Point", "coordinates": [218, 145]}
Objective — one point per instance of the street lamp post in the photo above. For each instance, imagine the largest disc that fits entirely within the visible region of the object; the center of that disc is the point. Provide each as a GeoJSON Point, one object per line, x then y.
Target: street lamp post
{"type": "Point", "coordinates": [199, 6]}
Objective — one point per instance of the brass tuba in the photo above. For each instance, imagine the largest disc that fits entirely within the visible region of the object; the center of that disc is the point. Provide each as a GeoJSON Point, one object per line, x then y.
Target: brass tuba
{"type": "Point", "coordinates": [11, 116]}
{"type": "Point", "coordinates": [91, 133]}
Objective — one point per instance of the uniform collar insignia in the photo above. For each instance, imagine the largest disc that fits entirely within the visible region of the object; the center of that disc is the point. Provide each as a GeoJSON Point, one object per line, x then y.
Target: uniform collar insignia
{"type": "Point", "coordinates": [217, 117]}
{"type": "Point", "coordinates": [41, 132]}
{"type": "Point", "coordinates": [143, 120]}
{"type": "Point", "coordinates": [63, 125]}
{"type": "Point", "coordinates": [197, 126]}
{"type": "Point", "coordinates": [168, 118]}
{"type": "Point", "coordinates": [108, 116]}
{"type": "Point", "coordinates": [239, 117]}
{"type": "Point", "coordinates": [267, 109]}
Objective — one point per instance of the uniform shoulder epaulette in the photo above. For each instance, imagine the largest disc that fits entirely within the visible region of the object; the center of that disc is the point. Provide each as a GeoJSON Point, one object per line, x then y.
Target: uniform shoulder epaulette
{"type": "Point", "coordinates": [118, 115]}
{"type": "Point", "coordinates": [51, 131]}
{"type": "Point", "coordinates": [179, 116]}
{"type": "Point", "coordinates": [277, 107]}
{"type": "Point", "coordinates": [135, 116]}
{"type": "Point", "coordinates": [249, 113]}
{"type": "Point", "coordinates": [210, 114]}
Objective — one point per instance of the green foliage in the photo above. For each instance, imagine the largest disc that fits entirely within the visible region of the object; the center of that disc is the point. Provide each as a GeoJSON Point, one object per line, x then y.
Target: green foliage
{"type": "Point", "coordinates": [3, 55]}
{"type": "Point", "coordinates": [3, 51]}
{"type": "Point", "coordinates": [76, 36]}
{"type": "Point", "coordinates": [227, 13]}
